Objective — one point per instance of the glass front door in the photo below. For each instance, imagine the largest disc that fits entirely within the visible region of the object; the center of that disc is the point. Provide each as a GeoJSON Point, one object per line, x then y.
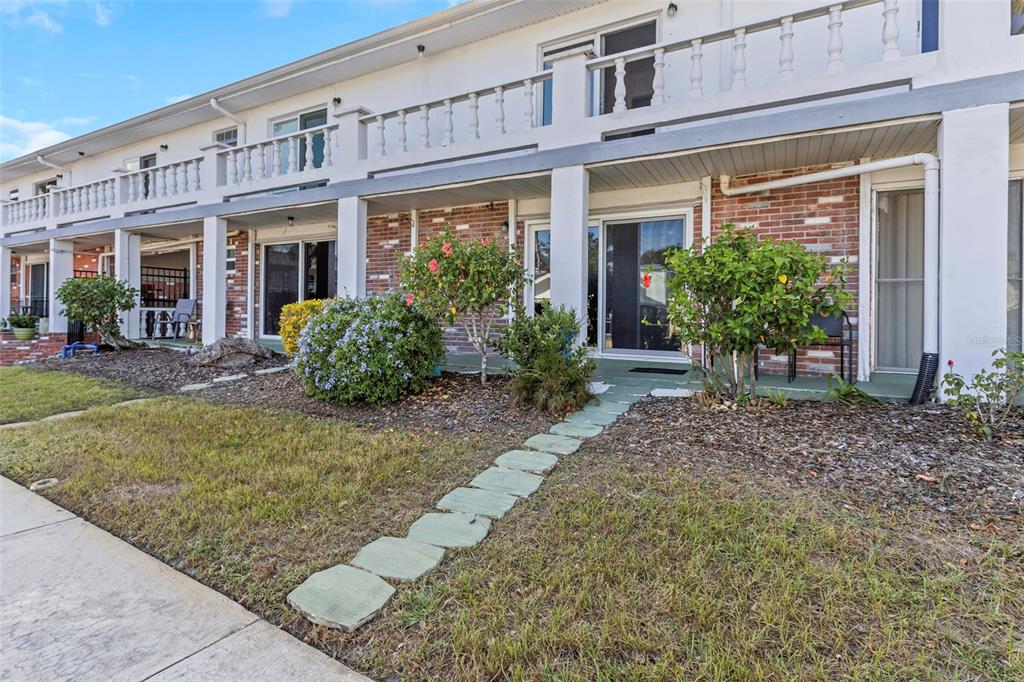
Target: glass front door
{"type": "Point", "coordinates": [280, 283]}
{"type": "Point", "coordinates": [38, 289]}
{"type": "Point", "coordinates": [541, 273]}
{"type": "Point", "coordinates": [635, 284]}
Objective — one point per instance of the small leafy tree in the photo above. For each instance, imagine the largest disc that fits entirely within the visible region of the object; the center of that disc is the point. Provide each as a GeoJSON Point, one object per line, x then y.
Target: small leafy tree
{"type": "Point", "coordinates": [466, 281]}
{"type": "Point", "coordinates": [98, 303]}
{"type": "Point", "coordinates": [987, 401]}
{"type": "Point", "coordinates": [740, 292]}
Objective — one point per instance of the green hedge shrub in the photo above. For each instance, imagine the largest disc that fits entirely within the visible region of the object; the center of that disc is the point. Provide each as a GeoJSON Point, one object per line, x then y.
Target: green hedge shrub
{"type": "Point", "coordinates": [373, 350]}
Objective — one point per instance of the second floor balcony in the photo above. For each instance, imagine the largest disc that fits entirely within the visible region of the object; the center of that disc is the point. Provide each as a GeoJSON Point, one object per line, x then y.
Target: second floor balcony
{"type": "Point", "coordinates": [842, 50]}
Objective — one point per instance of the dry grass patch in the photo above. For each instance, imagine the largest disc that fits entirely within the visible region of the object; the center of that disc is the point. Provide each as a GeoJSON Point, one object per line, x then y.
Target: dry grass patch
{"type": "Point", "coordinates": [28, 394]}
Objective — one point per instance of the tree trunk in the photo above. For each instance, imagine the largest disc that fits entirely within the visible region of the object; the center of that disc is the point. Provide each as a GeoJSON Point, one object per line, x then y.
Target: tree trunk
{"type": "Point", "coordinates": [483, 365]}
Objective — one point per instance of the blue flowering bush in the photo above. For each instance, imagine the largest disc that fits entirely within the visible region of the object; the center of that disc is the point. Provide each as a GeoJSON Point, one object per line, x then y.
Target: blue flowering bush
{"type": "Point", "coordinates": [373, 350]}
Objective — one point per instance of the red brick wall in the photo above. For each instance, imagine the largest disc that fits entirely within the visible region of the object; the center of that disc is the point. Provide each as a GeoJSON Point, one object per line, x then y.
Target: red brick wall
{"type": "Point", "coordinates": [389, 237]}
{"type": "Point", "coordinates": [236, 284]}
{"type": "Point", "coordinates": [824, 217]}
{"type": "Point", "coordinates": [14, 352]}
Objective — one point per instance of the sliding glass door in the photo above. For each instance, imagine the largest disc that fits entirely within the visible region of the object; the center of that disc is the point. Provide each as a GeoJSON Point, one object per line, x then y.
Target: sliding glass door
{"type": "Point", "coordinates": [635, 284]}
{"type": "Point", "coordinates": [280, 283]}
{"type": "Point", "coordinates": [296, 271]}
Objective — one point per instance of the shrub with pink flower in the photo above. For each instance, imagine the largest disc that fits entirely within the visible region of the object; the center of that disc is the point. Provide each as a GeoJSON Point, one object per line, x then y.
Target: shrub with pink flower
{"type": "Point", "coordinates": [465, 282]}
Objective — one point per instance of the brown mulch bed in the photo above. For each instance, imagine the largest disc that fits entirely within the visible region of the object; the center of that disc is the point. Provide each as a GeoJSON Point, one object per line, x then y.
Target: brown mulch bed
{"type": "Point", "coordinates": [455, 403]}
{"type": "Point", "coordinates": [898, 459]}
{"type": "Point", "coordinates": [153, 369]}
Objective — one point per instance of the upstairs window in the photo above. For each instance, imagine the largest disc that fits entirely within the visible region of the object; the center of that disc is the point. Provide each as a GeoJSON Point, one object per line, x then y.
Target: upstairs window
{"type": "Point", "coordinates": [140, 163]}
{"type": "Point", "coordinates": [44, 186]}
{"type": "Point", "coordinates": [229, 261]}
{"type": "Point", "coordinates": [13, 194]}
{"type": "Point", "coordinates": [294, 123]}
{"type": "Point", "coordinates": [227, 138]}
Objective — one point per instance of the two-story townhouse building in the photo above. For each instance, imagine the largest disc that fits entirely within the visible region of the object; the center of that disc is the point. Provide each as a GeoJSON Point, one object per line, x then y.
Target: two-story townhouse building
{"type": "Point", "coordinates": [589, 136]}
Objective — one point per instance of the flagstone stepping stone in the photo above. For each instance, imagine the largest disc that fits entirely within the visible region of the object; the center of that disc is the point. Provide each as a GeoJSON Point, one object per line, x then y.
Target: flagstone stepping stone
{"type": "Point", "coordinates": [588, 416]}
{"type": "Point", "coordinates": [487, 503]}
{"type": "Point", "coordinates": [398, 558]}
{"type": "Point", "coordinates": [273, 370]}
{"type": "Point", "coordinates": [230, 377]}
{"type": "Point", "coordinates": [341, 597]}
{"type": "Point", "coordinates": [527, 460]}
{"type": "Point", "coordinates": [611, 406]}
{"type": "Point", "coordinates": [556, 445]}
{"type": "Point", "coordinates": [450, 530]}
{"type": "Point", "coordinates": [672, 392]}
{"type": "Point", "coordinates": [188, 388]}
{"type": "Point", "coordinates": [576, 430]}
{"type": "Point", "coordinates": [511, 481]}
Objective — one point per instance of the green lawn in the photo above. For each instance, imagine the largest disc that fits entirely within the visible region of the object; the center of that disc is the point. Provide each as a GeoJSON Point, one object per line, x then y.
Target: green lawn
{"type": "Point", "coordinates": [248, 501]}
{"type": "Point", "coordinates": [621, 575]}
{"type": "Point", "coordinates": [27, 394]}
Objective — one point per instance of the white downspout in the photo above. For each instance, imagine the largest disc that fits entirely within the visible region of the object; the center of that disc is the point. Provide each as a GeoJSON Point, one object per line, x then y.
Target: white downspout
{"type": "Point", "coordinates": [64, 172]}
{"type": "Point", "coordinates": [705, 211]}
{"type": "Point", "coordinates": [931, 220]}
{"type": "Point", "coordinates": [241, 124]}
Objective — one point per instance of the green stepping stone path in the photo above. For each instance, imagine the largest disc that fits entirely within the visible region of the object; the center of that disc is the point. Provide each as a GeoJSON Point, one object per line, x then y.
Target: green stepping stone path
{"type": "Point", "coordinates": [487, 503]}
{"type": "Point", "coordinates": [450, 530]}
{"type": "Point", "coordinates": [589, 416]}
{"type": "Point", "coordinates": [527, 460]}
{"type": "Point", "coordinates": [341, 597]}
{"type": "Point", "coordinates": [608, 407]}
{"type": "Point", "coordinates": [511, 481]}
{"type": "Point", "coordinates": [398, 558]}
{"type": "Point", "coordinates": [556, 445]}
{"type": "Point", "coordinates": [575, 430]}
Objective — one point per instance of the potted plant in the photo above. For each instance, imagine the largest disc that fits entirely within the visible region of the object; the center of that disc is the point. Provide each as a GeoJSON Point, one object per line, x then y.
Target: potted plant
{"type": "Point", "coordinates": [23, 326]}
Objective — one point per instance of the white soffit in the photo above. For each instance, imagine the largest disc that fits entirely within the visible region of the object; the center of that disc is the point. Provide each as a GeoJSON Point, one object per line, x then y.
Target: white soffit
{"type": "Point", "coordinates": [876, 142]}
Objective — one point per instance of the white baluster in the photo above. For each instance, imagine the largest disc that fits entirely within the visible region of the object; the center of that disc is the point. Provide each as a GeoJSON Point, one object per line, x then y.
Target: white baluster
{"type": "Point", "coordinates": [890, 30]}
{"type": "Point", "coordinates": [381, 140]}
{"type": "Point", "coordinates": [528, 113]}
{"type": "Point", "coordinates": [192, 176]}
{"type": "Point", "coordinates": [448, 138]}
{"type": "Point", "coordinates": [242, 161]}
{"type": "Point", "coordinates": [161, 186]}
{"type": "Point", "coordinates": [328, 147]}
{"type": "Point", "coordinates": [229, 167]}
{"type": "Point", "coordinates": [171, 174]}
{"type": "Point", "coordinates": [259, 162]}
{"type": "Point", "coordinates": [94, 202]}
{"type": "Point", "coordinates": [76, 200]}
{"type": "Point", "coordinates": [275, 158]}
{"type": "Point", "coordinates": [310, 156]}
{"type": "Point", "coordinates": [474, 116]}
{"type": "Point", "coordinates": [293, 155]}
{"type": "Point", "coordinates": [786, 49]}
{"type": "Point", "coordinates": [403, 134]}
{"type": "Point", "coordinates": [424, 126]}
{"type": "Point", "coordinates": [620, 86]}
{"type": "Point", "coordinates": [499, 114]}
{"type": "Point", "coordinates": [739, 59]}
{"type": "Point", "coordinates": [109, 192]}
{"type": "Point", "coordinates": [696, 68]}
{"type": "Point", "coordinates": [835, 39]}
{"type": "Point", "coordinates": [658, 83]}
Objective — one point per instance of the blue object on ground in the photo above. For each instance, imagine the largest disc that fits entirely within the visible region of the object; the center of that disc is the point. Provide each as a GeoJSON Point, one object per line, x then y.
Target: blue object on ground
{"type": "Point", "coordinates": [77, 346]}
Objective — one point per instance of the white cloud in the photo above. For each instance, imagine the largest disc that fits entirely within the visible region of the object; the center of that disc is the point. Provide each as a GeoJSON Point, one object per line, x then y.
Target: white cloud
{"type": "Point", "coordinates": [102, 14]}
{"type": "Point", "coordinates": [277, 8]}
{"type": "Point", "coordinates": [43, 20]}
{"type": "Point", "coordinates": [76, 120]}
{"type": "Point", "coordinates": [18, 138]}
{"type": "Point", "coordinates": [176, 98]}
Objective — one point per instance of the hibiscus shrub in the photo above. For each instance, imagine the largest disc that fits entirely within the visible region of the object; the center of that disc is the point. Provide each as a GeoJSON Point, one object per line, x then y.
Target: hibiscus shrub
{"type": "Point", "coordinates": [373, 350]}
{"type": "Point", "coordinates": [464, 281]}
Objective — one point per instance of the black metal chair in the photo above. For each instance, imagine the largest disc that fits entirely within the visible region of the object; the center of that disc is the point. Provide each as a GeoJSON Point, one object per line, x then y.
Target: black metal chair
{"type": "Point", "coordinates": [838, 333]}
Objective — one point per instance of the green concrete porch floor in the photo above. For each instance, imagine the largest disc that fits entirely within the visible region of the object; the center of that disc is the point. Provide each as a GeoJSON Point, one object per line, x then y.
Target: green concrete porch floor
{"type": "Point", "coordinates": [622, 372]}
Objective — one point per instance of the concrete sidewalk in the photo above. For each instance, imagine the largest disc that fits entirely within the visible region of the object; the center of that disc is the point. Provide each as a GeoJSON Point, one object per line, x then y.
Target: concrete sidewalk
{"type": "Point", "coordinates": [78, 603]}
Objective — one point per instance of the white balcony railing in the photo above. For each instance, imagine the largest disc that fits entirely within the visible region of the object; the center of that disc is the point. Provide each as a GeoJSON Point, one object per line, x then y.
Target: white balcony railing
{"type": "Point", "coordinates": [507, 108]}
{"type": "Point", "coordinates": [694, 86]}
{"type": "Point", "coordinates": [162, 182]}
{"type": "Point", "coordinates": [288, 155]}
{"type": "Point", "coordinates": [797, 57]}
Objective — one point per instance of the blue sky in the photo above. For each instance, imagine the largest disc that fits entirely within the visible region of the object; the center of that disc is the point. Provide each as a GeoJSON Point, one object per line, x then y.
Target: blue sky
{"type": "Point", "coordinates": [71, 66]}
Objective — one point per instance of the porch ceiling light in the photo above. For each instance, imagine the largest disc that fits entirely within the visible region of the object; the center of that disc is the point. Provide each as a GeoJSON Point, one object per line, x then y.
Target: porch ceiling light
{"type": "Point", "coordinates": [672, 9]}
{"type": "Point", "coordinates": [291, 221]}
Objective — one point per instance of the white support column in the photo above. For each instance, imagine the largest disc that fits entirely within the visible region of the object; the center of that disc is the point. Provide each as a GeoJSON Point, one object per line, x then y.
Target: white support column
{"type": "Point", "coordinates": [128, 268]}
{"type": "Point", "coordinates": [865, 276]}
{"type": "Point", "coordinates": [215, 297]}
{"type": "Point", "coordinates": [62, 267]}
{"type": "Point", "coordinates": [975, 156]}
{"type": "Point", "coordinates": [570, 204]}
{"type": "Point", "coordinates": [352, 247]}
{"type": "Point", "coordinates": [250, 286]}
{"type": "Point", "coordinates": [5, 282]}
{"type": "Point", "coordinates": [570, 91]}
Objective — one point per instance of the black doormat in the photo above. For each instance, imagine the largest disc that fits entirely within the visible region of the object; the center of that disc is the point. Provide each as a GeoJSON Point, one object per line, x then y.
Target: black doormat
{"type": "Point", "coordinates": [659, 370]}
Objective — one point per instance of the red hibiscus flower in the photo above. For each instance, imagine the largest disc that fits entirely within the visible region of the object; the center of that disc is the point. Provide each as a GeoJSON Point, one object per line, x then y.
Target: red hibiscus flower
{"type": "Point", "coordinates": [647, 280]}
{"type": "Point", "coordinates": [409, 299]}
{"type": "Point", "coordinates": [486, 241]}
{"type": "Point", "coordinates": [447, 248]}
{"type": "Point", "coordinates": [433, 265]}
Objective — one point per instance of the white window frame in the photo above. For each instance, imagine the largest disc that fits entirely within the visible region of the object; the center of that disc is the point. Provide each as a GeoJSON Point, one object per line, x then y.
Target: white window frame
{"type": "Point", "coordinates": [1018, 176]}
{"type": "Point", "coordinates": [46, 185]}
{"type": "Point", "coordinates": [601, 221]}
{"type": "Point", "coordinates": [230, 259]}
{"type": "Point", "coordinates": [302, 241]}
{"type": "Point", "coordinates": [296, 116]}
{"type": "Point", "coordinates": [221, 131]}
